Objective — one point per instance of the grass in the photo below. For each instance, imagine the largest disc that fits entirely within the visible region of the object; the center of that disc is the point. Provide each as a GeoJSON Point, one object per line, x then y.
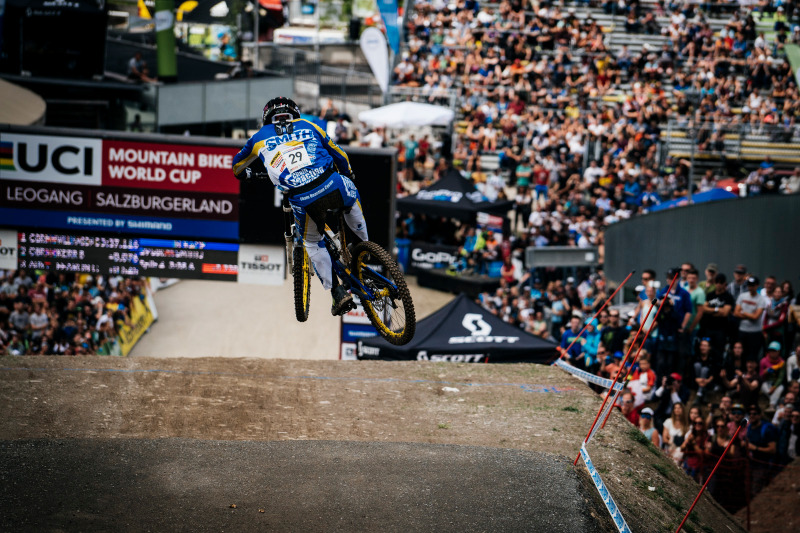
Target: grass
{"type": "Point", "coordinates": [638, 436]}
{"type": "Point", "coordinates": [571, 409]}
{"type": "Point", "coordinates": [444, 425]}
{"type": "Point", "coordinates": [662, 469]}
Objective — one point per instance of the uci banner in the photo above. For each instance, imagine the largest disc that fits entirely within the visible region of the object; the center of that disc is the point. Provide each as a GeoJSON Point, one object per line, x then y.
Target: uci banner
{"type": "Point", "coordinates": [141, 318]}
{"type": "Point", "coordinates": [65, 182]}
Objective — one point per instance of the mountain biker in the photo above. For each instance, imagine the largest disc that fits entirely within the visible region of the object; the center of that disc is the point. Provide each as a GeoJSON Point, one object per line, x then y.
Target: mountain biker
{"type": "Point", "coordinates": [315, 174]}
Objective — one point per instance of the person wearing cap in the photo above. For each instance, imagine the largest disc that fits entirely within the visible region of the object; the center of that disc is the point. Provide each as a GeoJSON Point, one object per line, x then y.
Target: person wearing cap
{"type": "Point", "coordinates": [739, 284]}
{"type": "Point", "coordinates": [671, 391]}
{"type": "Point", "coordinates": [646, 426]}
{"type": "Point", "coordinates": [772, 371]}
{"type": "Point", "coordinates": [714, 322]}
{"type": "Point", "coordinates": [711, 272]}
{"type": "Point", "coordinates": [750, 311]}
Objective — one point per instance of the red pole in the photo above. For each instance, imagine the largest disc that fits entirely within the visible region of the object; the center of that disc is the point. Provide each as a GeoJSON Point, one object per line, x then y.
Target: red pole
{"type": "Point", "coordinates": [743, 423]}
{"type": "Point", "coordinates": [563, 352]}
{"type": "Point", "coordinates": [635, 357]}
{"type": "Point", "coordinates": [611, 389]}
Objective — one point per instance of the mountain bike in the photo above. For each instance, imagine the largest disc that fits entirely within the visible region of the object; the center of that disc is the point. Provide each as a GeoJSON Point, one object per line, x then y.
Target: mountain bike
{"type": "Point", "coordinates": [365, 269]}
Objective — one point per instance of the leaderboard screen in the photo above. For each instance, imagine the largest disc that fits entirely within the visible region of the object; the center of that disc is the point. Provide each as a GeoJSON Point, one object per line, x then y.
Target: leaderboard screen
{"type": "Point", "coordinates": [127, 256]}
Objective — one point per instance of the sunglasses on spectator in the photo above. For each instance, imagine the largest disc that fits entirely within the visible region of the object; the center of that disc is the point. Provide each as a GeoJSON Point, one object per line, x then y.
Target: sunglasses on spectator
{"type": "Point", "coordinates": [720, 425]}
{"type": "Point", "coordinates": [645, 415]}
{"type": "Point", "coordinates": [627, 401]}
{"type": "Point", "coordinates": [737, 412]}
{"type": "Point", "coordinates": [698, 424]}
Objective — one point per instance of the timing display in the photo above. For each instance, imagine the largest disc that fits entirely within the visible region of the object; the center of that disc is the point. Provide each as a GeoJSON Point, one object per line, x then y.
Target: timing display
{"type": "Point", "coordinates": [128, 256]}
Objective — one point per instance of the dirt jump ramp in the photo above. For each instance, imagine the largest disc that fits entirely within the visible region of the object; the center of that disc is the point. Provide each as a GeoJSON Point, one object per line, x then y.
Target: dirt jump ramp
{"type": "Point", "coordinates": [199, 485]}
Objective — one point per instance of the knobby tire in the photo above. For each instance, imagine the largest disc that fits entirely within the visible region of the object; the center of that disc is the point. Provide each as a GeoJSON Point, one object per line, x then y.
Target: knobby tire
{"type": "Point", "coordinates": [370, 253]}
{"type": "Point", "coordinates": [301, 272]}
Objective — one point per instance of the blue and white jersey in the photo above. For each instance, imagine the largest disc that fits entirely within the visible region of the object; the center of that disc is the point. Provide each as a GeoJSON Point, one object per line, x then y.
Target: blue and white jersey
{"type": "Point", "coordinates": [295, 159]}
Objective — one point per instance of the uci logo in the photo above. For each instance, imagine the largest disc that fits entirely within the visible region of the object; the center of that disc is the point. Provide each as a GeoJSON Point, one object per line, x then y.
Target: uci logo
{"type": "Point", "coordinates": [73, 160]}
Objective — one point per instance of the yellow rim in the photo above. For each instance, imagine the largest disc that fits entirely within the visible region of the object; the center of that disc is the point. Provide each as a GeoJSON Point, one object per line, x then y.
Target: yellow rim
{"type": "Point", "coordinates": [305, 280]}
{"type": "Point", "coordinates": [378, 294]}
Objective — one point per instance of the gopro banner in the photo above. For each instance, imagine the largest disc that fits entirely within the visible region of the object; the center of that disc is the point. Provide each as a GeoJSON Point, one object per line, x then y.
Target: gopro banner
{"type": "Point", "coordinates": [388, 9]}
{"type": "Point", "coordinates": [424, 256]}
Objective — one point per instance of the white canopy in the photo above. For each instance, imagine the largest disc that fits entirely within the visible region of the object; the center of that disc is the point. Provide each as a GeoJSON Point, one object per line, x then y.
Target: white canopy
{"type": "Point", "coordinates": [404, 114]}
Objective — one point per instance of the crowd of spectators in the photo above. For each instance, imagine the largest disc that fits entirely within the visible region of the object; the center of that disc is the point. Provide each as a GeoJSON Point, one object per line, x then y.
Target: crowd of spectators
{"type": "Point", "coordinates": [575, 123]}
{"type": "Point", "coordinates": [721, 347]}
{"type": "Point", "coordinates": [63, 314]}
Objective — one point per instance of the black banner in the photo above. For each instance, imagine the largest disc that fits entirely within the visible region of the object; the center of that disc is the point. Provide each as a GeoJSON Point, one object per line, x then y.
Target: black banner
{"type": "Point", "coordinates": [425, 256]}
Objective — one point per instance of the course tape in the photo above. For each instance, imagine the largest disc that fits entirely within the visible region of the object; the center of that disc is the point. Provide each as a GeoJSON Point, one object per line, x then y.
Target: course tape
{"type": "Point", "coordinates": [598, 424]}
{"type": "Point", "coordinates": [616, 514]}
{"type": "Point", "coordinates": [597, 380]}
{"type": "Point", "coordinates": [524, 386]}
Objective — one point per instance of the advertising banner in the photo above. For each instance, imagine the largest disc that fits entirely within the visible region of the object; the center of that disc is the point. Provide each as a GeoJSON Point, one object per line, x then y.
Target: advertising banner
{"type": "Point", "coordinates": [355, 326]}
{"type": "Point", "coordinates": [21, 194]}
{"type": "Point", "coordinates": [9, 252]}
{"type": "Point", "coordinates": [63, 182]}
{"type": "Point", "coordinates": [425, 256]}
{"type": "Point", "coordinates": [176, 167]}
{"type": "Point", "coordinates": [388, 9]}
{"type": "Point", "coordinates": [44, 158]}
{"type": "Point", "coordinates": [141, 318]}
{"type": "Point", "coordinates": [373, 45]}
{"type": "Point", "coordinates": [261, 265]}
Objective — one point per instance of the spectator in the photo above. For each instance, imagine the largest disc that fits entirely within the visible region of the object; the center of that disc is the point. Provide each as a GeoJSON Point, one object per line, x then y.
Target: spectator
{"type": "Point", "coordinates": [570, 339]}
{"type": "Point", "coordinates": [694, 449]}
{"type": "Point", "coordinates": [789, 437]}
{"type": "Point", "coordinates": [670, 392]}
{"type": "Point", "coordinates": [675, 429]}
{"type": "Point", "coordinates": [705, 372]}
{"type": "Point", "coordinates": [137, 69]}
{"type": "Point", "coordinates": [646, 427]}
{"type": "Point", "coordinates": [784, 409]}
{"type": "Point", "coordinates": [762, 442]}
{"type": "Point", "coordinates": [772, 371]}
{"type": "Point", "coordinates": [627, 408]}
{"type": "Point", "coordinates": [717, 308]}
{"type": "Point", "coordinates": [750, 311]}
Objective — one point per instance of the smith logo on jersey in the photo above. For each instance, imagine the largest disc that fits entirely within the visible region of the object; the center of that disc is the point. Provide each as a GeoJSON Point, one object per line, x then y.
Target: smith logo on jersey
{"type": "Point", "coordinates": [301, 135]}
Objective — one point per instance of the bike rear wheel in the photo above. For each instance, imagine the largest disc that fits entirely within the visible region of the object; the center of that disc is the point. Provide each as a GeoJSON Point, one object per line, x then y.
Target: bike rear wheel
{"type": "Point", "coordinates": [391, 310]}
{"type": "Point", "coordinates": [301, 271]}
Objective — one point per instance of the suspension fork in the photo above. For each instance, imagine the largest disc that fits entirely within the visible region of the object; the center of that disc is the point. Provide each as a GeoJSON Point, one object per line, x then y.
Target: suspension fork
{"type": "Point", "coordinates": [288, 233]}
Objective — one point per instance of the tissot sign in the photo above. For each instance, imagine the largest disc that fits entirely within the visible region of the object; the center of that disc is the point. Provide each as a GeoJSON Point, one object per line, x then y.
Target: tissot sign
{"type": "Point", "coordinates": [69, 182]}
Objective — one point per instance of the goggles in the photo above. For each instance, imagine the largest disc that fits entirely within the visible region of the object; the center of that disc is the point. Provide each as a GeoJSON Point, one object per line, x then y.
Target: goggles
{"type": "Point", "coordinates": [282, 117]}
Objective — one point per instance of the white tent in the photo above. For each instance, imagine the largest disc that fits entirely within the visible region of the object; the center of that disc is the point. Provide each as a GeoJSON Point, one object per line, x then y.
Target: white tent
{"type": "Point", "coordinates": [404, 114]}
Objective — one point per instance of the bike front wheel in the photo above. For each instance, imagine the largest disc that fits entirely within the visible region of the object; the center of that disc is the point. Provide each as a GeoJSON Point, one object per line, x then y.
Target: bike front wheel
{"type": "Point", "coordinates": [301, 272]}
{"type": "Point", "coordinates": [390, 308]}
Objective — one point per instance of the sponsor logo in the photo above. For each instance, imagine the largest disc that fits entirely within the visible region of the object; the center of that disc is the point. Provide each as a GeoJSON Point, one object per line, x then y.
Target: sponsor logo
{"type": "Point", "coordinates": [7, 156]}
{"type": "Point", "coordinates": [417, 254]}
{"type": "Point", "coordinates": [422, 355]}
{"type": "Point", "coordinates": [368, 350]}
{"type": "Point", "coordinates": [8, 249]}
{"type": "Point", "coordinates": [72, 160]}
{"type": "Point", "coordinates": [299, 135]}
{"type": "Point", "coordinates": [444, 195]}
{"type": "Point", "coordinates": [480, 331]}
